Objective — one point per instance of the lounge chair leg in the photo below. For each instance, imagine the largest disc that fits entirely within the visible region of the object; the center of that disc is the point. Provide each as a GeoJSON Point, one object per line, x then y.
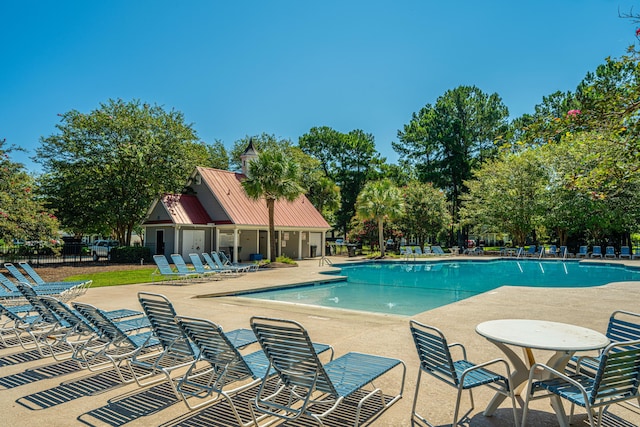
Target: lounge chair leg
{"type": "Point", "coordinates": [415, 396]}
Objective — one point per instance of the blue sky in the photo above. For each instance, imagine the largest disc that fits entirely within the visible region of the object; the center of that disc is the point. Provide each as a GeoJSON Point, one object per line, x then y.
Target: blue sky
{"type": "Point", "coordinates": [238, 68]}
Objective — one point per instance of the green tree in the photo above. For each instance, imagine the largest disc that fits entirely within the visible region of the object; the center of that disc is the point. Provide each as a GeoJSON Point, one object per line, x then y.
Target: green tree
{"type": "Point", "coordinates": [401, 174]}
{"type": "Point", "coordinates": [272, 176]}
{"type": "Point", "coordinates": [349, 160]}
{"type": "Point", "coordinates": [104, 169]}
{"type": "Point", "coordinates": [321, 191]}
{"type": "Point", "coordinates": [598, 187]}
{"type": "Point", "coordinates": [217, 156]}
{"type": "Point", "coordinates": [507, 195]}
{"type": "Point", "coordinates": [22, 213]}
{"type": "Point", "coordinates": [426, 212]}
{"type": "Point", "coordinates": [380, 201]}
{"type": "Point", "coordinates": [366, 231]}
{"type": "Point", "coordinates": [447, 141]}
{"type": "Point", "coordinates": [604, 106]}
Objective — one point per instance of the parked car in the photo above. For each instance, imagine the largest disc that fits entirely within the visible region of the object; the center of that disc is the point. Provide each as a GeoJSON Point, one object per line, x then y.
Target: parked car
{"type": "Point", "coordinates": [102, 249]}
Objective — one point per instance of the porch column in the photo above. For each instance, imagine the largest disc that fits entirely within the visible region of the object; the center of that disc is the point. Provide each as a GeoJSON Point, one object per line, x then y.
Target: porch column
{"type": "Point", "coordinates": [257, 251]}
{"type": "Point", "coordinates": [176, 242]}
{"type": "Point", "coordinates": [235, 245]}
{"type": "Point", "coordinates": [268, 245]}
{"type": "Point", "coordinates": [279, 247]}
{"type": "Point", "coordinates": [300, 244]}
{"type": "Point", "coordinates": [323, 242]}
{"type": "Point", "coordinates": [217, 245]}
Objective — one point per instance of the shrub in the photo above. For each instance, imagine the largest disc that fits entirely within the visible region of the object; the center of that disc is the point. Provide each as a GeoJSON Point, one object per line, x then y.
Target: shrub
{"type": "Point", "coordinates": [130, 254]}
{"type": "Point", "coordinates": [285, 260]}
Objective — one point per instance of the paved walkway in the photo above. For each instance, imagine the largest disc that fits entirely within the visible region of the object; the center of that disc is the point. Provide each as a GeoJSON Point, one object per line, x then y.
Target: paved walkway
{"type": "Point", "coordinates": [36, 391]}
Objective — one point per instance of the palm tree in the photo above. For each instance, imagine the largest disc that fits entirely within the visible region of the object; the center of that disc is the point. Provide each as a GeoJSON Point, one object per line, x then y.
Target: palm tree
{"type": "Point", "coordinates": [380, 200]}
{"type": "Point", "coordinates": [272, 176]}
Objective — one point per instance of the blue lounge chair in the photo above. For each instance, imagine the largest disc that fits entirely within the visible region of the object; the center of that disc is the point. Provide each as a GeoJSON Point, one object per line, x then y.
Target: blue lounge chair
{"type": "Point", "coordinates": [310, 387]}
{"type": "Point", "coordinates": [552, 251]}
{"type": "Point", "coordinates": [616, 380]}
{"type": "Point", "coordinates": [564, 252]}
{"type": "Point", "coordinates": [164, 269]}
{"type": "Point", "coordinates": [218, 262]}
{"type": "Point", "coordinates": [66, 291]}
{"type": "Point", "coordinates": [436, 360]}
{"type": "Point", "coordinates": [14, 319]}
{"type": "Point", "coordinates": [80, 285]}
{"type": "Point", "coordinates": [636, 252]}
{"type": "Point", "coordinates": [625, 252]}
{"type": "Point", "coordinates": [182, 267]}
{"type": "Point", "coordinates": [214, 267]}
{"type": "Point", "coordinates": [623, 326]}
{"type": "Point", "coordinates": [81, 332]}
{"type": "Point", "coordinates": [227, 262]}
{"type": "Point", "coordinates": [121, 345]}
{"type": "Point", "coordinates": [597, 252]}
{"type": "Point", "coordinates": [177, 350]}
{"type": "Point", "coordinates": [610, 252]}
{"type": "Point", "coordinates": [200, 269]}
{"type": "Point", "coordinates": [8, 289]}
{"type": "Point", "coordinates": [531, 251]}
{"type": "Point", "coordinates": [62, 326]}
{"type": "Point", "coordinates": [437, 250]}
{"type": "Point", "coordinates": [48, 326]}
{"type": "Point", "coordinates": [229, 371]}
{"type": "Point", "coordinates": [408, 252]}
{"type": "Point", "coordinates": [582, 252]}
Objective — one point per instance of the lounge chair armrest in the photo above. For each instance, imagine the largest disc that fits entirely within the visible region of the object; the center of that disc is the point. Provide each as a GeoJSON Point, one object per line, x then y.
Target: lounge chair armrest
{"type": "Point", "coordinates": [459, 345]}
{"type": "Point", "coordinates": [537, 367]}
{"type": "Point", "coordinates": [484, 365]}
{"type": "Point", "coordinates": [594, 359]}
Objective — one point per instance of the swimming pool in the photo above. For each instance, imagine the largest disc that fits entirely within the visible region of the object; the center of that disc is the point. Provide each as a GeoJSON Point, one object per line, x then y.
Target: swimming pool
{"type": "Point", "coordinates": [410, 288]}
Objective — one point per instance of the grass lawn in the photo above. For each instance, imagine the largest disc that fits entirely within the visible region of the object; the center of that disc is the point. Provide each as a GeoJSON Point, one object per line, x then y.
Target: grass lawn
{"type": "Point", "coordinates": [116, 278]}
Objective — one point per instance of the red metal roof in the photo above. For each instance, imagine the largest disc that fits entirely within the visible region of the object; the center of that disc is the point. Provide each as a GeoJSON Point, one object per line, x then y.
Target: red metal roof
{"type": "Point", "coordinates": [185, 209]}
{"type": "Point", "coordinates": [227, 188]}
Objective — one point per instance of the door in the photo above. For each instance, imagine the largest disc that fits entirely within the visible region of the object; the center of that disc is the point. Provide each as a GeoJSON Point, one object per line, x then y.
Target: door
{"type": "Point", "coordinates": [160, 242]}
{"type": "Point", "coordinates": [262, 245]}
{"type": "Point", "coordinates": [192, 242]}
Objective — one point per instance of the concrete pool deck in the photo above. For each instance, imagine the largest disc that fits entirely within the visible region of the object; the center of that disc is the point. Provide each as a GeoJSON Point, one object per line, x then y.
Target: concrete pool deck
{"type": "Point", "coordinates": [41, 391]}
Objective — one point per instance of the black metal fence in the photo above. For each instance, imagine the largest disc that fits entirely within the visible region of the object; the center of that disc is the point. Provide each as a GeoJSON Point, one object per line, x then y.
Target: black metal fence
{"type": "Point", "coordinates": [69, 253]}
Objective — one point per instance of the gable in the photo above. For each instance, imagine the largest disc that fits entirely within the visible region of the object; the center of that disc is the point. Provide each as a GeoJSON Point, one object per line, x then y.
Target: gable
{"type": "Point", "coordinates": [179, 209]}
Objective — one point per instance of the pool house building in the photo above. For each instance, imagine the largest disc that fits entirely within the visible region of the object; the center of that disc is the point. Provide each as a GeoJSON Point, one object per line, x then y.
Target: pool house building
{"type": "Point", "coordinates": [215, 214]}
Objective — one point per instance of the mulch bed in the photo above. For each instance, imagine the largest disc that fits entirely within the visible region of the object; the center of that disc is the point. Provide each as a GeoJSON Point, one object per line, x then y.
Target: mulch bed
{"type": "Point", "coordinates": [58, 273]}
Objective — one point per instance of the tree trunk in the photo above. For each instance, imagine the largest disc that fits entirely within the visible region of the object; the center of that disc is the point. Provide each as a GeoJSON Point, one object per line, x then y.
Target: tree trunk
{"type": "Point", "coordinates": [272, 228]}
{"type": "Point", "coordinates": [381, 237]}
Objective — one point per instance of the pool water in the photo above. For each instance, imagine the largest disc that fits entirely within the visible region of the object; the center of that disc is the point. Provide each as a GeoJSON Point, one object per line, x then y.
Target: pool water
{"type": "Point", "coordinates": [410, 288]}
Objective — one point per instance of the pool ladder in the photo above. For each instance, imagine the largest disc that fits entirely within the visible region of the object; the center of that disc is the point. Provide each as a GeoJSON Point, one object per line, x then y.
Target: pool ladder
{"type": "Point", "coordinates": [324, 260]}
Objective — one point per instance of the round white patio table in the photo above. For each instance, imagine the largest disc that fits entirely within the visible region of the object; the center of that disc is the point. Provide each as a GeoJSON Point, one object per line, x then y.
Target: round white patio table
{"type": "Point", "coordinates": [561, 338]}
